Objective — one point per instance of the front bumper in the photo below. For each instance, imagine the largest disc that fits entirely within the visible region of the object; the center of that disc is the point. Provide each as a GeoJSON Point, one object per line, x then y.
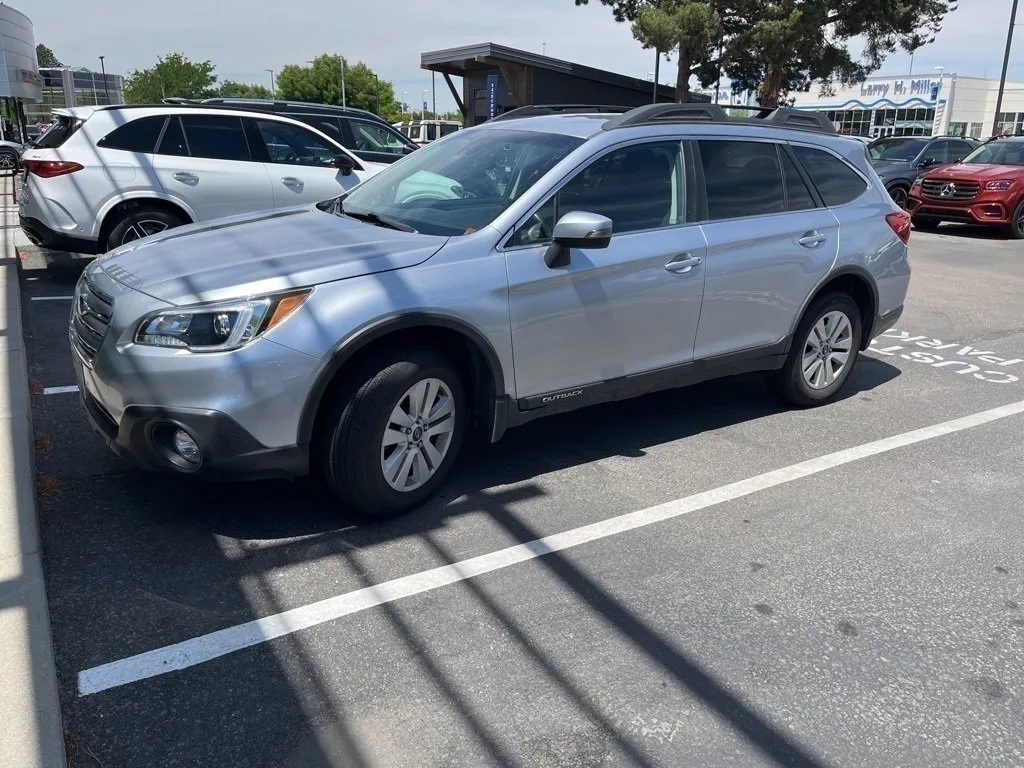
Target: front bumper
{"type": "Point", "coordinates": [986, 209]}
{"type": "Point", "coordinates": [228, 451]}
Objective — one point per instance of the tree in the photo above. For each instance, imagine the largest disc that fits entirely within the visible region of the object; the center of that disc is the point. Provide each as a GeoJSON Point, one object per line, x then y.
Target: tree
{"type": "Point", "coordinates": [321, 83]}
{"type": "Point", "coordinates": [173, 75]}
{"type": "Point", "coordinates": [688, 28]}
{"type": "Point", "coordinates": [233, 90]}
{"type": "Point", "coordinates": [782, 46]}
{"type": "Point", "coordinates": [46, 57]}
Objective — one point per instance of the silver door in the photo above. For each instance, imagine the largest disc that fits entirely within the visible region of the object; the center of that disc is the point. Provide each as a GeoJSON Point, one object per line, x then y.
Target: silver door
{"type": "Point", "coordinates": [770, 242]}
{"type": "Point", "coordinates": [208, 166]}
{"type": "Point", "coordinates": [630, 308]}
{"type": "Point", "coordinates": [299, 166]}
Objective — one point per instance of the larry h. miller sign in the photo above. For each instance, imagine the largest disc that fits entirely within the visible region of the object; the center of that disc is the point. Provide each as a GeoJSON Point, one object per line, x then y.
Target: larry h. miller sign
{"type": "Point", "coordinates": [926, 88]}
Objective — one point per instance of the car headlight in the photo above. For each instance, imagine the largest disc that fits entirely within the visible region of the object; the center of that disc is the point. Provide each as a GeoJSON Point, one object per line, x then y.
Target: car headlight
{"type": "Point", "coordinates": [217, 327]}
{"type": "Point", "coordinates": [999, 184]}
{"type": "Point", "coordinates": [917, 182]}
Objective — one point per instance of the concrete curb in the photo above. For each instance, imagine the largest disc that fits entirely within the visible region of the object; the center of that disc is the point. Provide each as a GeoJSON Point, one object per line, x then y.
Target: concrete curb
{"type": "Point", "coordinates": [31, 733]}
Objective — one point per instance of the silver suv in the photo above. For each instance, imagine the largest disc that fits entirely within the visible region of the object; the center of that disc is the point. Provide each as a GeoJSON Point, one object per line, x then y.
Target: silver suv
{"type": "Point", "coordinates": [542, 262]}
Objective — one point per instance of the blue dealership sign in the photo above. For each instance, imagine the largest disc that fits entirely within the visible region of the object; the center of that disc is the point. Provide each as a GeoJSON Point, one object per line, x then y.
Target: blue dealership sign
{"type": "Point", "coordinates": [492, 96]}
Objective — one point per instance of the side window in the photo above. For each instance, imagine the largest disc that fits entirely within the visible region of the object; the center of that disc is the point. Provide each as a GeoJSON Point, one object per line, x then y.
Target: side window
{"type": "Point", "coordinates": [941, 151]}
{"type": "Point", "coordinates": [743, 178]}
{"type": "Point", "coordinates": [432, 132]}
{"type": "Point", "coordinates": [959, 150]}
{"type": "Point", "coordinates": [837, 182]}
{"type": "Point", "coordinates": [414, 131]}
{"type": "Point", "coordinates": [638, 187]}
{"type": "Point", "coordinates": [292, 145]}
{"type": "Point", "coordinates": [137, 136]}
{"type": "Point", "coordinates": [173, 142]}
{"type": "Point", "coordinates": [326, 124]}
{"type": "Point", "coordinates": [216, 137]}
{"type": "Point", "coordinates": [798, 196]}
{"type": "Point", "coordinates": [370, 137]}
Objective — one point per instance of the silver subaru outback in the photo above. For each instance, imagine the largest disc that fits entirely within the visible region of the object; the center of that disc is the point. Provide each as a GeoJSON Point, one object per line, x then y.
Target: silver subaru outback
{"type": "Point", "coordinates": [551, 259]}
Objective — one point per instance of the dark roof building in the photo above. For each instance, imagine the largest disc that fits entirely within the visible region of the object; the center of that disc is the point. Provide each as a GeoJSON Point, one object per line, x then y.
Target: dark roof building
{"type": "Point", "coordinates": [496, 79]}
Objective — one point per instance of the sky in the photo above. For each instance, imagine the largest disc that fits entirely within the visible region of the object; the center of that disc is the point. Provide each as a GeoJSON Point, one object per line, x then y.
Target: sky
{"type": "Point", "coordinates": [244, 38]}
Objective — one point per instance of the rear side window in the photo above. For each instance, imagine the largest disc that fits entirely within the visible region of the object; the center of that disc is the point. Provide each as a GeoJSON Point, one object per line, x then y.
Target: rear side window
{"type": "Point", "coordinates": [216, 137]}
{"type": "Point", "coordinates": [448, 128]}
{"type": "Point", "coordinates": [837, 182]}
{"type": "Point", "coordinates": [59, 132]}
{"type": "Point", "coordinates": [173, 142]}
{"type": "Point", "coordinates": [798, 196]}
{"type": "Point", "coordinates": [136, 136]}
{"type": "Point", "coordinates": [432, 132]}
{"type": "Point", "coordinates": [329, 125]}
{"type": "Point", "coordinates": [743, 178]}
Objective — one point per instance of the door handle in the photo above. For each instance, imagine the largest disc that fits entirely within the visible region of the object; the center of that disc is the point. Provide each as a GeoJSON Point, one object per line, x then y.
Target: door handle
{"type": "Point", "coordinates": [683, 263]}
{"type": "Point", "coordinates": [812, 239]}
{"type": "Point", "coordinates": [185, 176]}
{"type": "Point", "coordinates": [291, 181]}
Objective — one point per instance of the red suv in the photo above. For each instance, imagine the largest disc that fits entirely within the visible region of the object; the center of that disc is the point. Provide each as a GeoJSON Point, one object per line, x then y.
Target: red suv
{"type": "Point", "coordinates": [986, 188]}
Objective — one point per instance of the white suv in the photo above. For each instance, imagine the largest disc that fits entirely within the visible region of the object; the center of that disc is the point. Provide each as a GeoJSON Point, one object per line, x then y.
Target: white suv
{"type": "Point", "coordinates": [105, 176]}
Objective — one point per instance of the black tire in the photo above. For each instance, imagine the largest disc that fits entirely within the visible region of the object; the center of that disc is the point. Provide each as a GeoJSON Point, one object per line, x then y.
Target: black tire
{"type": "Point", "coordinates": [789, 382]}
{"type": "Point", "coordinates": [925, 223]}
{"type": "Point", "coordinates": [899, 194]}
{"type": "Point", "coordinates": [138, 221]}
{"type": "Point", "coordinates": [8, 160]}
{"type": "Point", "coordinates": [349, 442]}
{"type": "Point", "coordinates": [1015, 231]}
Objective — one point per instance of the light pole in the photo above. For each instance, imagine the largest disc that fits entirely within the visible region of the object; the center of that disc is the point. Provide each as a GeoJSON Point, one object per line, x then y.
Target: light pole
{"type": "Point", "coordinates": [405, 103]}
{"type": "Point", "coordinates": [103, 71]}
{"type": "Point", "coordinates": [423, 93]}
{"type": "Point", "coordinates": [543, 49]}
{"type": "Point", "coordinates": [657, 68]}
{"type": "Point", "coordinates": [273, 86]}
{"type": "Point", "coordinates": [376, 81]}
{"type": "Point", "coordinates": [1006, 63]}
{"type": "Point", "coordinates": [343, 100]}
{"type": "Point", "coordinates": [433, 92]}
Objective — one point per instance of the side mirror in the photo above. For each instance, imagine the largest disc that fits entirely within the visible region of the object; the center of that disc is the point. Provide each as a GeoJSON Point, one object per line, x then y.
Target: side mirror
{"type": "Point", "coordinates": [344, 163]}
{"type": "Point", "coordinates": [577, 229]}
{"type": "Point", "coordinates": [928, 162]}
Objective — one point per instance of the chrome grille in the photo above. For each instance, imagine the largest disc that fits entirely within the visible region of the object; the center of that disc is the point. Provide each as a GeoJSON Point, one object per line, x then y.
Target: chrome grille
{"type": "Point", "coordinates": [950, 189]}
{"type": "Point", "coordinates": [90, 318]}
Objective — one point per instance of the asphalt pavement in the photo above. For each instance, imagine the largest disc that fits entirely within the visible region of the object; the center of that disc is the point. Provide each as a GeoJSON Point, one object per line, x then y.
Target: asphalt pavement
{"type": "Point", "coordinates": [692, 606]}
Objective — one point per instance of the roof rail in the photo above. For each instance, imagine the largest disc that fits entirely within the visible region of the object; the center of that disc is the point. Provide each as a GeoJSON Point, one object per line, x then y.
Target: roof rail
{"type": "Point", "coordinates": [782, 117]}
{"type": "Point", "coordinates": [535, 110]}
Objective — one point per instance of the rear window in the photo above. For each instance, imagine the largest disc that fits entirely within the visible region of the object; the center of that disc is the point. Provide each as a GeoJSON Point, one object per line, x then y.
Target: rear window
{"type": "Point", "coordinates": [448, 128]}
{"type": "Point", "coordinates": [837, 182]}
{"type": "Point", "coordinates": [62, 130]}
{"type": "Point", "coordinates": [136, 136]}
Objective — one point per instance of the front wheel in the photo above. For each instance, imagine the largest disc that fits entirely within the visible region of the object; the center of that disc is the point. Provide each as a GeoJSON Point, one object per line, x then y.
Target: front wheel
{"type": "Point", "coordinates": [823, 354]}
{"type": "Point", "coordinates": [1016, 229]}
{"type": "Point", "coordinates": [393, 433]}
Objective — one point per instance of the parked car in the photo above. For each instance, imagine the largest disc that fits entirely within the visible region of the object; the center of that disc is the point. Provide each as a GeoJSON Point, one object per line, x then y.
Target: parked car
{"type": "Point", "coordinates": [987, 189]}
{"type": "Point", "coordinates": [368, 136]}
{"type": "Point", "coordinates": [104, 176]}
{"type": "Point", "coordinates": [366, 338]}
{"type": "Point", "coordinates": [899, 160]}
{"type": "Point", "coordinates": [10, 155]}
{"type": "Point", "coordinates": [426, 131]}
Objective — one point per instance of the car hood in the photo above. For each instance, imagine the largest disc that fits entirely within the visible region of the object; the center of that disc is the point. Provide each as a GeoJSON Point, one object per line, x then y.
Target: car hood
{"type": "Point", "coordinates": [891, 167]}
{"type": "Point", "coordinates": [979, 171]}
{"type": "Point", "coordinates": [262, 253]}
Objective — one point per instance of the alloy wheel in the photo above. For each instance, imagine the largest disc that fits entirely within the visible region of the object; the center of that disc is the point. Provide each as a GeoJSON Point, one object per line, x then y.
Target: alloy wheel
{"type": "Point", "coordinates": [141, 229]}
{"type": "Point", "coordinates": [7, 161]}
{"type": "Point", "coordinates": [899, 196]}
{"type": "Point", "coordinates": [418, 435]}
{"type": "Point", "coordinates": [827, 350]}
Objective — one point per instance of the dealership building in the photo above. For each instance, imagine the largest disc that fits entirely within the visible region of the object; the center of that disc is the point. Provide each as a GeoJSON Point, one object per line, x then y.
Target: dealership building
{"type": "Point", "coordinates": [921, 105]}
{"type": "Point", "coordinates": [62, 87]}
{"type": "Point", "coordinates": [20, 82]}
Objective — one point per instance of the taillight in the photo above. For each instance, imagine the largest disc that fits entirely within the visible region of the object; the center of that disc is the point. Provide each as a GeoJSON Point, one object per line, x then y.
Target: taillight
{"type": "Point", "coordinates": [900, 223]}
{"type": "Point", "coordinates": [47, 169]}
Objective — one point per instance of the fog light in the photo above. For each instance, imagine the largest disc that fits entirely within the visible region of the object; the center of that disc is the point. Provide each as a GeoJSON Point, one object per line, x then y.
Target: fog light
{"type": "Point", "coordinates": [186, 446]}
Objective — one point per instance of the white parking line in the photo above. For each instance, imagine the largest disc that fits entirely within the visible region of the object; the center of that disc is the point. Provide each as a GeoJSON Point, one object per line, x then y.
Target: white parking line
{"type": "Point", "coordinates": [204, 648]}
{"type": "Point", "coordinates": [52, 298]}
{"type": "Point", "coordinates": [59, 390]}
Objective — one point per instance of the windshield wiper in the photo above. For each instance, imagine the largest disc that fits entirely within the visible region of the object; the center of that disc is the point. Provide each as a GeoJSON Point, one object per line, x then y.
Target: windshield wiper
{"type": "Point", "coordinates": [373, 217]}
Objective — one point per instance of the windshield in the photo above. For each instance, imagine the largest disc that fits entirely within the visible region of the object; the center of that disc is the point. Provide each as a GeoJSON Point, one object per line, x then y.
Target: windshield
{"type": "Point", "coordinates": [461, 184]}
{"type": "Point", "coordinates": [998, 153]}
{"type": "Point", "coordinates": [896, 149]}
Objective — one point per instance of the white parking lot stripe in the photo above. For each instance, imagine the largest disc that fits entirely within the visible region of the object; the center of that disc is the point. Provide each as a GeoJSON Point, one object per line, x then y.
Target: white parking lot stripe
{"type": "Point", "coordinates": [204, 648]}
{"type": "Point", "coordinates": [59, 390]}
{"type": "Point", "coordinates": [52, 298]}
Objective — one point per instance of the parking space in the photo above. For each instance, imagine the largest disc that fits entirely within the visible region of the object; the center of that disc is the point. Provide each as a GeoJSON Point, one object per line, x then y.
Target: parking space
{"type": "Point", "coordinates": [725, 582]}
